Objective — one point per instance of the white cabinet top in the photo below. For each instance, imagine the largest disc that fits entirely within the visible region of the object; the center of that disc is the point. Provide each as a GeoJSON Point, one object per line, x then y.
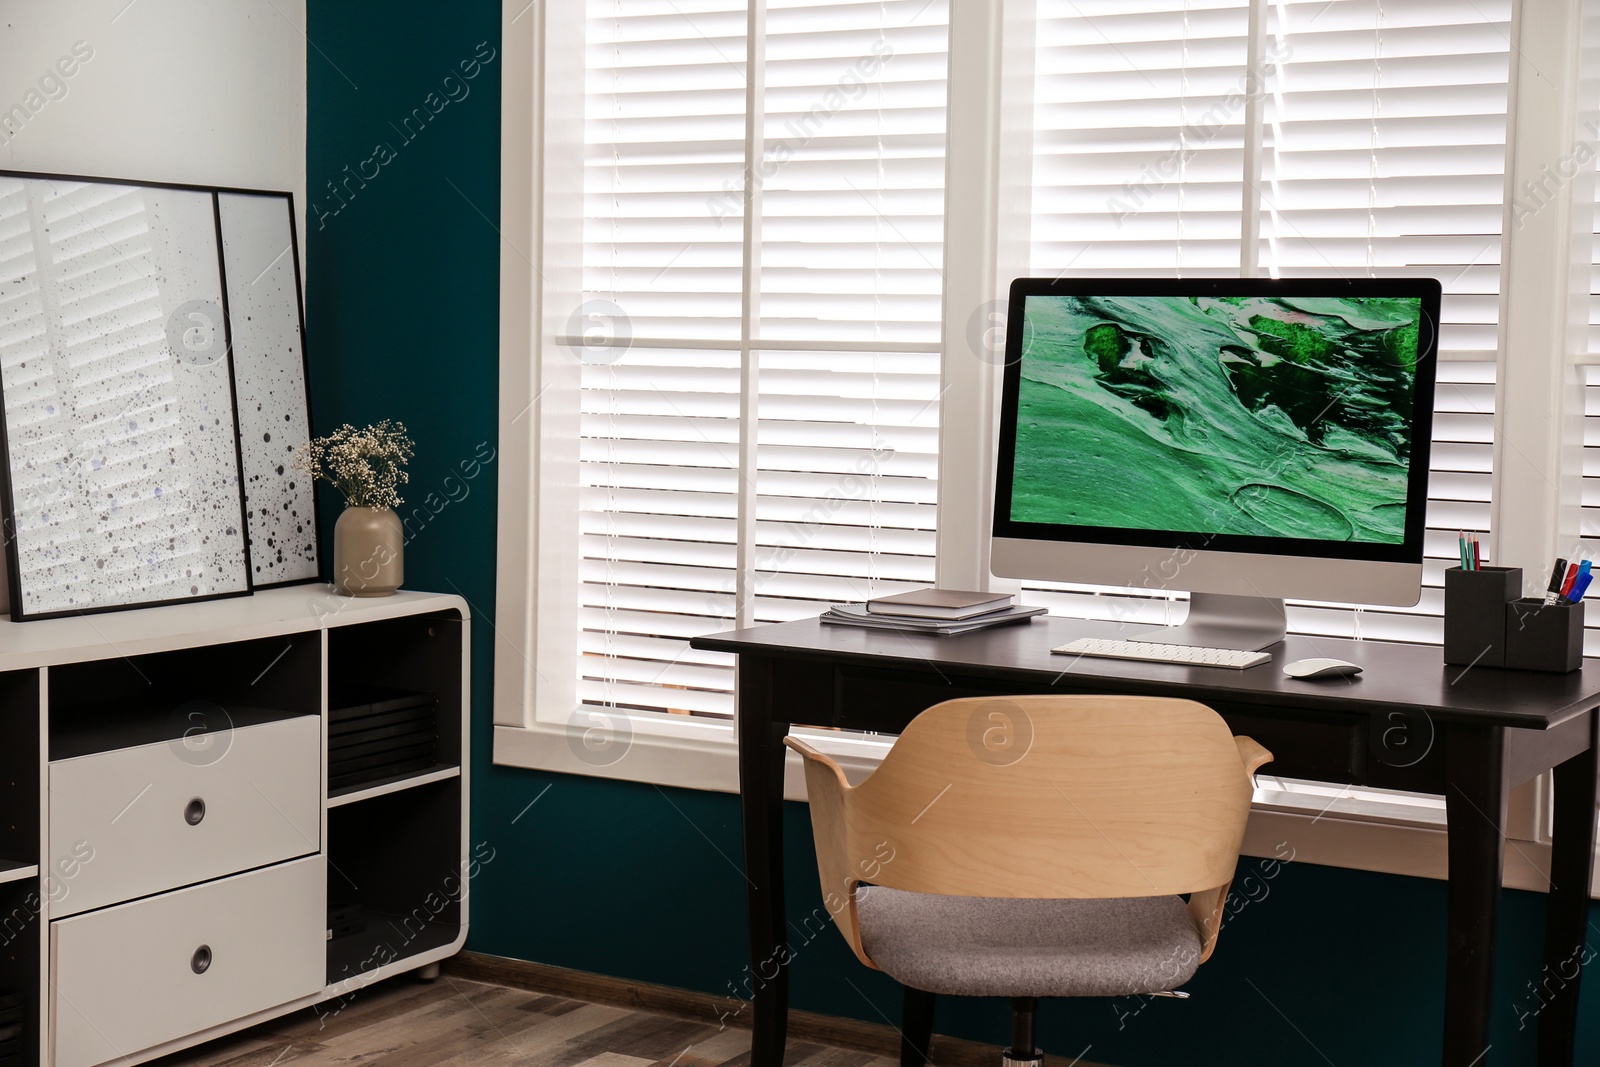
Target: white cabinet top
{"type": "Point", "coordinates": [269, 613]}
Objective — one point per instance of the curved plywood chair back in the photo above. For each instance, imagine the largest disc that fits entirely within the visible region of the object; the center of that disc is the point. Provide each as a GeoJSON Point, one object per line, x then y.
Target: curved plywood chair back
{"type": "Point", "coordinates": [1053, 796]}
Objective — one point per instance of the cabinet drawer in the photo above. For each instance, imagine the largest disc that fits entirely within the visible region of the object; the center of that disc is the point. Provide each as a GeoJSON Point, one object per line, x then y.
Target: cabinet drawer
{"type": "Point", "coordinates": [136, 821]}
{"type": "Point", "coordinates": [129, 978]}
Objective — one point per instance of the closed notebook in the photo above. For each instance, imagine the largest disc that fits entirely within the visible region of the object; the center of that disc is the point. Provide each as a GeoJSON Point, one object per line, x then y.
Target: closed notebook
{"type": "Point", "coordinates": [854, 615]}
{"type": "Point", "coordinates": [939, 604]}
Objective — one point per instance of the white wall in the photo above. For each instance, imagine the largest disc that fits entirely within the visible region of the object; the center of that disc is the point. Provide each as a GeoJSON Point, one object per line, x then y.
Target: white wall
{"type": "Point", "coordinates": [210, 92]}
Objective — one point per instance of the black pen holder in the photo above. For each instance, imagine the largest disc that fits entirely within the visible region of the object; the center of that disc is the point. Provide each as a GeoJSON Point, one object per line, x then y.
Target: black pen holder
{"type": "Point", "coordinates": [1544, 637]}
{"type": "Point", "coordinates": [1476, 607]}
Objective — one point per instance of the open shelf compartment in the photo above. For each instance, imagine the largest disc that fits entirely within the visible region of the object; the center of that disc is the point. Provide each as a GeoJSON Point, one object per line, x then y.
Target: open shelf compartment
{"type": "Point", "coordinates": [20, 942]}
{"type": "Point", "coordinates": [186, 693]}
{"type": "Point", "coordinates": [395, 709]}
{"type": "Point", "coordinates": [395, 877]}
{"type": "Point", "coordinates": [19, 773]}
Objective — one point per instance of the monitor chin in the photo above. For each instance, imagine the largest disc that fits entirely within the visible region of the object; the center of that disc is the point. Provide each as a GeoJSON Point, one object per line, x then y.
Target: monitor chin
{"type": "Point", "coordinates": [1236, 574]}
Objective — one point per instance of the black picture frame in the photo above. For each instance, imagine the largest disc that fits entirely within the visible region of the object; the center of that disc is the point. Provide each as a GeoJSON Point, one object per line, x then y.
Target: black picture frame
{"type": "Point", "coordinates": [250, 545]}
{"type": "Point", "coordinates": [257, 530]}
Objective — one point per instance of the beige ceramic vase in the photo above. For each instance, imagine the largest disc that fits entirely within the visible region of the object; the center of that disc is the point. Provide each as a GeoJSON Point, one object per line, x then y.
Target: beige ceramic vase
{"type": "Point", "coordinates": [368, 552]}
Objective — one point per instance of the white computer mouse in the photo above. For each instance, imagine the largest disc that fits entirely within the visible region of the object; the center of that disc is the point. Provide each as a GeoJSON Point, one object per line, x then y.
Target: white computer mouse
{"type": "Point", "coordinates": [1306, 669]}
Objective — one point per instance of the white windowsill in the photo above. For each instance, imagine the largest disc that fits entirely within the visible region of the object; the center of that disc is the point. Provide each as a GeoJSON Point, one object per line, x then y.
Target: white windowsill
{"type": "Point", "coordinates": [1320, 826]}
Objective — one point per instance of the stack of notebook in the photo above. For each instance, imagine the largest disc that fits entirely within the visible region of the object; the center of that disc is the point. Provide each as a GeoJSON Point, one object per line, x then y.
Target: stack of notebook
{"type": "Point", "coordinates": [10, 1029]}
{"type": "Point", "coordinates": [378, 733]}
{"type": "Point", "coordinates": [932, 611]}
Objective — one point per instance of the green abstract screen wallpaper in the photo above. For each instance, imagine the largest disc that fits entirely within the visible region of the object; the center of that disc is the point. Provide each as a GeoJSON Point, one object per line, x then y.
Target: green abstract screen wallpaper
{"type": "Point", "coordinates": [1258, 416]}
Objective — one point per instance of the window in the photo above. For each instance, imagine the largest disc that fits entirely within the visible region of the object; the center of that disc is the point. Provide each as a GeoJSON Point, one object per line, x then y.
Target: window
{"type": "Point", "coordinates": [733, 410]}
{"type": "Point", "coordinates": [759, 397]}
{"type": "Point", "coordinates": [1377, 146]}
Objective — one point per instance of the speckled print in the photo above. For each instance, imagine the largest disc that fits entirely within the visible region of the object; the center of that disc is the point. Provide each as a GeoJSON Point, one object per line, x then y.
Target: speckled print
{"type": "Point", "coordinates": [270, 380]}
{"type": "Point", "coordinates": [122, 456]}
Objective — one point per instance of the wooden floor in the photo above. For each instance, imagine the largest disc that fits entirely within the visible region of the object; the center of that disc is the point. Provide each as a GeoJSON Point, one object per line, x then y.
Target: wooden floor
{"type": "Point", "coordinates": [453, 1021]}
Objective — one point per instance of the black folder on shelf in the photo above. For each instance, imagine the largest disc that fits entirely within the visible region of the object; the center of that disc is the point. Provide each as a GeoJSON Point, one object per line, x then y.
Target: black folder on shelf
{"type": "Point", "coordinates": [348, 744]}
{"type": "Point", "coordinates": [358, 702]}
{"type": "Point", "coordinates": [342, 728]}
{"type": "Point", "coordinates": [376, 732]}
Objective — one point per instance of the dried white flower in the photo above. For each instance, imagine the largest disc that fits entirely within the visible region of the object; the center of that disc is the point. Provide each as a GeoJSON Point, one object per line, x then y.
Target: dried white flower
{"type": "Point", "coordinates": [367, 465]}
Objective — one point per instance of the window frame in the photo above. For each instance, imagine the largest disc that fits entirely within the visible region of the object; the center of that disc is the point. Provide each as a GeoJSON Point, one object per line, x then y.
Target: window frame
{"type": "Point", "coordinates": [1543, 316]}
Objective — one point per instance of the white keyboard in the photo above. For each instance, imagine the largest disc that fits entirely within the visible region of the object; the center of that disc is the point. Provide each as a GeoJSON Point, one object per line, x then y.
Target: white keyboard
{"type": "Point", "coordinates": [1153, 653]}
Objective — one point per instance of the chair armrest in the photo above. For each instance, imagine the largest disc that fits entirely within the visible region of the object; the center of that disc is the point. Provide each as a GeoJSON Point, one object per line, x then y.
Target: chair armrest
{"type": "Point", "coordinates": [829, 792]}
{"type": "Point", "coordinates": [1205, 908]}
{"type": "Point", "coordinates": [1252, 754]}
{"type": "Point", "coordinates": [817, 756]}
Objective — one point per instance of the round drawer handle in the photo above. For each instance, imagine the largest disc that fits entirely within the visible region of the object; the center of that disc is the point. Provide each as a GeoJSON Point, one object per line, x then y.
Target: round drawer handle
{"type": "Point", "coordinates": [200, 962]}
{"type": "Point", "coordinates": [194, 812]}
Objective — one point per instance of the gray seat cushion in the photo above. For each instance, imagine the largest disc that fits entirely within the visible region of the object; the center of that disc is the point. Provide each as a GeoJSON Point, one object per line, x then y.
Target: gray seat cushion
{"type": "Point", "coordinates": [984, 946]}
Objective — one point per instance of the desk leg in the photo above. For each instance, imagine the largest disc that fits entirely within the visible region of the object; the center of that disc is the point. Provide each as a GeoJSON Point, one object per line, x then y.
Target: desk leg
{"type": "Point", "coordinates": [761, 757]}
{"type": "Point", "coordinates": [1475, 808]}
{"type": "Point", "coordinates": [1567, 915]}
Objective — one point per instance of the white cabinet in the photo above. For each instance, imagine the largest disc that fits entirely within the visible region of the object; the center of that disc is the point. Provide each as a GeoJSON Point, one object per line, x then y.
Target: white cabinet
{"type": "Point", "coordinates": [135, 976]}
{"type": "Point", "coordinates": [166, 881]}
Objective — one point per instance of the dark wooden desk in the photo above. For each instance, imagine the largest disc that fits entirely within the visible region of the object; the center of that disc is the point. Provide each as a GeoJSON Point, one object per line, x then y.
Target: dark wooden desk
{"type": "Point", "coordinates": [1408, 722]}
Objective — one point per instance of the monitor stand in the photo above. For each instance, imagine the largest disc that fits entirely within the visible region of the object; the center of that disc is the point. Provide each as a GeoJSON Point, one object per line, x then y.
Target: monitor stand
{"type": "Point", "coordinates": [1221, 620]}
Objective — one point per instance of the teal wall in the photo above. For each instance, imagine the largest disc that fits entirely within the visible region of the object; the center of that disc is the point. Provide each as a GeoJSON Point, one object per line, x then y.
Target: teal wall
{"type": "Point", "coordinates": [1323, 965]}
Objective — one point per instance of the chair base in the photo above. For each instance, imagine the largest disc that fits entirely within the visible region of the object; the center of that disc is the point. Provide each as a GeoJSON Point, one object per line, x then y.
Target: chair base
{"type": "Point", "coordinates": [1023, 1052]}
{"type": "Point", "coordinates": [916, 1027]}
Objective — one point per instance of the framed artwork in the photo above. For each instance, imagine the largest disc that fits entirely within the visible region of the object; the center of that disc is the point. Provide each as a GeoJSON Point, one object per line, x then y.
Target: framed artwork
{"type": "Point", "coordinates": [136, 407]}
{"type": "Point", "coordinates": [262, 262]}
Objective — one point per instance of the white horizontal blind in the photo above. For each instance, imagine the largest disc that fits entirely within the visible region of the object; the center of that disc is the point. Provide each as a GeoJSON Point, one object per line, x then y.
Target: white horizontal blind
{"type": "Point", "coordinates": [852, 177]}
{"type": "Point", "coordinates": [659, 469]}
{"type": "Point", "coordinates": [1138, 149]}
{"type": "Point", "coordinates": [1382, 153]}
{"type": "Point", "coordinates": [841, 360]}
{"type": "Point", "coordinates": [847, 480]}
{"type": "Point", "coordinates": [1385, 149]}
{"type": "Point", "coordinates": [664, 145]}
{"type": "Point", "coordinates": [1589, 521]}
{"type": "Point", "coordinates": [1589, 375]}
{"type": "Point", "coordinates": [1592, 336]}
{"type": "Point", "coordinates": [852, 229]}
{"type": "Point", "coordinates": [664, 142]}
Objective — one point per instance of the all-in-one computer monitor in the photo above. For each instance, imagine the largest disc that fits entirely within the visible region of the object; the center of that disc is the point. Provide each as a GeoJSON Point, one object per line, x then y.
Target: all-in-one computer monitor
{"type": "Point", "coordinates": [1244, 440]}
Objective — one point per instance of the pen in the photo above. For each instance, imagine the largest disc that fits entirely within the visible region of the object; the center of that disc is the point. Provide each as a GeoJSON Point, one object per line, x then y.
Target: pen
{"type": "Point", "coordinates": [1553, 591]}
{"type": "Point", "coordinates": [1572, 576]}
{"type": "Point", "coordinates": [1580, 583]}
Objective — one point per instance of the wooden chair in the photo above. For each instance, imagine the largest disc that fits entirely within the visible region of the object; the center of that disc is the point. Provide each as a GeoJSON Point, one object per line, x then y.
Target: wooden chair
{"type": "Point", "coordinates": [1035, 846]}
